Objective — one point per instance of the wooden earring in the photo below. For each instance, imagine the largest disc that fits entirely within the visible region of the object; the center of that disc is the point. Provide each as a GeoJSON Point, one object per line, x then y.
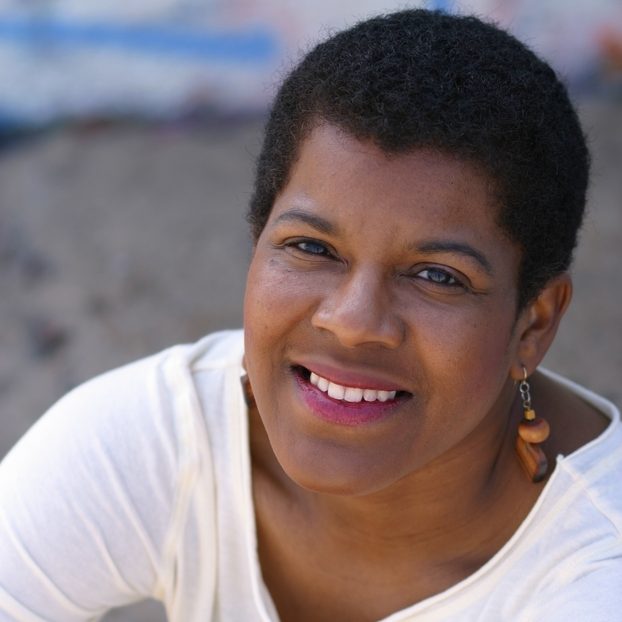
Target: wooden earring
{"type": "Point", "coordinates": [532, 431]}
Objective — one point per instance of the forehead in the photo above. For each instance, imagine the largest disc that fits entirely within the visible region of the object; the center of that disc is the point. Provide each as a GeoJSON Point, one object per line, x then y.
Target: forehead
{"type": "Point", "coordinates": [357, 182]}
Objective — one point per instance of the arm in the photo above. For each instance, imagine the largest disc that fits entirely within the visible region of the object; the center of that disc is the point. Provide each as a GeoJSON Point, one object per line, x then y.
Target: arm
{"type": "Point", "coordinates": [85, 502]}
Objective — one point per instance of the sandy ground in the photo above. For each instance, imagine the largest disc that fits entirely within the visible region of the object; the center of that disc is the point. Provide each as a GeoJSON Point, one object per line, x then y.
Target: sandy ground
{"type": "Point", "coordinates": [118, 242]}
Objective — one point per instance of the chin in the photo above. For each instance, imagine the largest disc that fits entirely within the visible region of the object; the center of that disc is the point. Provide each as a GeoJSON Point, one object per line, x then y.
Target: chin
{"type": "Point", "coordinates": [336, 470]}
{"type": "Point", "coordinates": [334, 486]}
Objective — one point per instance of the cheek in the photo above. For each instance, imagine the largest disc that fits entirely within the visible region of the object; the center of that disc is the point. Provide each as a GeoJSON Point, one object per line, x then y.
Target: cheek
{"type": "Point", "coordinates": [278, 294]}
{"type": "Point", "coordinates": [476, 343]}
{"type": "Point", "coordinates": [469, 360]}
{"type": "Point", "coordinates": [277, 302]}
{"type": "Point", "coordinates": [271, 295]}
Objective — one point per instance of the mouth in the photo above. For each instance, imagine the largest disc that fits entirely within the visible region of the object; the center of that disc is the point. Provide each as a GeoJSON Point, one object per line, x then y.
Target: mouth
{"type": "Point", "coordinates": [345, 404]}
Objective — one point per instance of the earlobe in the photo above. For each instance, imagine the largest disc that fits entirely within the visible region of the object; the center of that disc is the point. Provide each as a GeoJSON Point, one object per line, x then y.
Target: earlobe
{"type": "Point", "coordinates": [538, 323]}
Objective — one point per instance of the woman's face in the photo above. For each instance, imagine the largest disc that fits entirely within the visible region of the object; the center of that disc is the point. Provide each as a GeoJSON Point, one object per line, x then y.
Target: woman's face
{"type": "Point", "coordinates": [379, 310]}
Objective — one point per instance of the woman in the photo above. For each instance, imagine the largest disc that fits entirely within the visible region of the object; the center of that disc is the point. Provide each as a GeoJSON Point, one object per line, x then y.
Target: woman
{"type": "Point", "coordinates": [368, 449]}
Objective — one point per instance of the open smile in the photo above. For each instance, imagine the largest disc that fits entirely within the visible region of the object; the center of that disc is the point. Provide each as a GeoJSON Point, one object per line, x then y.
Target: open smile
{"type": "Point", "coordinates": [343, 404]}
{"type": "Point", "coordinates": [349, 394]}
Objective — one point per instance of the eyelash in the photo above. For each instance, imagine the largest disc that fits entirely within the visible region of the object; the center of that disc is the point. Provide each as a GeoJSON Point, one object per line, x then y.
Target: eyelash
{"type": "Point", "coordinates": [325, 252]}
{"type": "Point", "coordinates": [454, 282]}
{"type": "Point", "coordinates": [298, 245]}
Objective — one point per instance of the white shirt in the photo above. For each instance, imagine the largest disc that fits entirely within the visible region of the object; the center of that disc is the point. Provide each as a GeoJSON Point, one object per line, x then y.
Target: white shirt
{"type": "Point", "coordinates": [137, 484]}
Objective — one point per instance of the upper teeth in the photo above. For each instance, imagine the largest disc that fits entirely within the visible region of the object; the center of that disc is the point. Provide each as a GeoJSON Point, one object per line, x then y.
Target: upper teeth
{"type": "Point", "coordinates": [350, 394]}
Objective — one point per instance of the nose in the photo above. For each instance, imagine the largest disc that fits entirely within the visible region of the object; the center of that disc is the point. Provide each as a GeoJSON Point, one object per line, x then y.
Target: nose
{"type": "Point", "coordinates": [360, 311]}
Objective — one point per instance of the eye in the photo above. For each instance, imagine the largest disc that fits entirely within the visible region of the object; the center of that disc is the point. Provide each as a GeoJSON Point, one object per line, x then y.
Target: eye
{"type": "Point", "coordinates": [310, 247]}
{"type": "Point", "coordinates": [439, 276]}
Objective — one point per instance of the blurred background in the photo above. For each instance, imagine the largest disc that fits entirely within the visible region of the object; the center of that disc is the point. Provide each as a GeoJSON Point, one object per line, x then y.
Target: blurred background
{"type": "Point", "coordinates": [128, 133]}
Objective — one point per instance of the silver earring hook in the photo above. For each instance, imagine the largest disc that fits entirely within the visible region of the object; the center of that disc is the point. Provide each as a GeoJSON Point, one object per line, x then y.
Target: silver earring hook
{"type": "Point", "coordinates": [524, 389]}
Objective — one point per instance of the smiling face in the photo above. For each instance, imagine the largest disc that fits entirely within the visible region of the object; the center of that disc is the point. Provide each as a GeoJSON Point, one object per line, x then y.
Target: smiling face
{"type": "Point", "coordinates": [379, 315]}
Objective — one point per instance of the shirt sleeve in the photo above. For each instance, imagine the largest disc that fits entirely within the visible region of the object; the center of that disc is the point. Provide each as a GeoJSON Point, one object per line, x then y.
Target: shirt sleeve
{"type": "Point", "coordinates": [86, 499]}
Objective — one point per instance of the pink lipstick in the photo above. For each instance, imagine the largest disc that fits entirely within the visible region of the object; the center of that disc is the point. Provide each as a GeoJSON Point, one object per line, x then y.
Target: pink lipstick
{"type": "Point", "coordinates": [356, 403]}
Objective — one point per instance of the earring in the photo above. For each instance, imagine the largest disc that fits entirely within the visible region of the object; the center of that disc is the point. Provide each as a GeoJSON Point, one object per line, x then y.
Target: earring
{"type": "Point", "coordinates": [249, 398]}
{"type": "Point", "coordinates": [532, 431]}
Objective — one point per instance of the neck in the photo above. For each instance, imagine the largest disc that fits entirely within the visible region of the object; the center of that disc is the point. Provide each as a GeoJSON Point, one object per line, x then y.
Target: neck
{"type": "Point", "coordinates": [451, 507]}
{"type": "Point", "coordinates": [457, 506]}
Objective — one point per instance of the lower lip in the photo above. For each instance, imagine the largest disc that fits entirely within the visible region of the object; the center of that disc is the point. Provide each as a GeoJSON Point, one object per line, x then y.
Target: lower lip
{"type": "Point", "coordinates": [342, 412]}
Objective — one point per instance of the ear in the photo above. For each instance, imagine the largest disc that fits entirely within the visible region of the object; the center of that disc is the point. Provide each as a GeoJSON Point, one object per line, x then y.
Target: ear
{"type": "Point", "coordinates": [537, 324]}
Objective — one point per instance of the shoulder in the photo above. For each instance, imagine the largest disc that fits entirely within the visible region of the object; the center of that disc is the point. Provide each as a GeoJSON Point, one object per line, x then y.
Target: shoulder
{"type": "Point", "coordinates": [113, 474]}
{"type": "Point", "coordinates": [142, 403]}
{"type": "Point", "coordinates": [577, 523]}
{"type": "Point", "coordinates": [156, 379]}
{"type": "Point", "coordinates": [146, 413]}
{"type": "Point", "coordinates": [577, 416]}
{"type": "Point", "coordinates": [593, 477]}
{"type": "Point", "coordinates": [590, 466]}
{"type": "Point", "coordinates": [566, 558]}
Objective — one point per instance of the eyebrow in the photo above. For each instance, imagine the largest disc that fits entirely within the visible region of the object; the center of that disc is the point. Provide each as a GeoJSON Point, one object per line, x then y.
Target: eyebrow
{"type": "Point", "coordinates": [429, 247]}
{"type": "Point", "coordinates": [300, 215]}
{"type": "Point", "coordinates": [450, 246]}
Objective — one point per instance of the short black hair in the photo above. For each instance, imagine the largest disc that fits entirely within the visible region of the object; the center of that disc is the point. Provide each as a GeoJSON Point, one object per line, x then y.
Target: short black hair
{"type": "Point", "coordinates": [419, 78]}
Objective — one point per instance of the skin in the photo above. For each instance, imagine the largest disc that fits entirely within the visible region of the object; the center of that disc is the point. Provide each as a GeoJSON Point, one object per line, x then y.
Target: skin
{"type": "Point", "coordinates": [391, 267]}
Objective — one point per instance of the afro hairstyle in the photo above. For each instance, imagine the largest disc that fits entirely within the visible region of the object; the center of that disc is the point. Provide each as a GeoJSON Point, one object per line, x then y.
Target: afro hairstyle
{"type": "Point", "coordinates": [426, 79]}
